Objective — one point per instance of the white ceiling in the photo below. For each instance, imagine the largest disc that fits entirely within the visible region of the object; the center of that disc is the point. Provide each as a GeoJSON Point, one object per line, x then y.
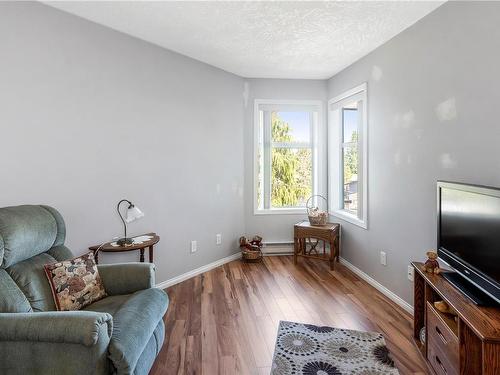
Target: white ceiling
{"type": "Point", "coordinates": [260, 39]}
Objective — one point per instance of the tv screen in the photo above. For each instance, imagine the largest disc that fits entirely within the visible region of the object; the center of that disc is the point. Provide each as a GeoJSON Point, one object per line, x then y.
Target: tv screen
{"type": "Point", "coordinates": [469, 227]}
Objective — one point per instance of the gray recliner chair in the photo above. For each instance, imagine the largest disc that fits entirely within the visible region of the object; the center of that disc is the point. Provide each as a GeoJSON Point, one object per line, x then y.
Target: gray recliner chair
{"type": "Point", "coordinates": [122, 333]}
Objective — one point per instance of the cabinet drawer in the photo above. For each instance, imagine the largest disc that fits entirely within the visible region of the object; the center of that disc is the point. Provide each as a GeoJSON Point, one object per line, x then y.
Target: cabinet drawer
{"type": "Point", "coordinates": [439, 361]}
{"type": "Point", "coordinates": [442, 342]}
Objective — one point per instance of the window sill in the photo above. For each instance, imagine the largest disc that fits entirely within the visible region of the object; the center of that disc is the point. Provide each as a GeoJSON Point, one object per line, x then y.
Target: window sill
{"type": "Point", "coordinates": [281, 211]}
{"type": "Point", "coordinates": [350, 218]}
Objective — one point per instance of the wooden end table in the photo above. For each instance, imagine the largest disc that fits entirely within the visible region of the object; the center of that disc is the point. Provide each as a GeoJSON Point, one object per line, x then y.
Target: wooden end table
{"type": "Point", "coordinates": [306, 234]}
{"type": "Point", "coordinates": [108, 248]}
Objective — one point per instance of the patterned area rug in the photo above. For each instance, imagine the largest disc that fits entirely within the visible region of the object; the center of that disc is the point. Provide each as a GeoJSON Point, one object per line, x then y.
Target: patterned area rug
{"type": "Point", "coordinates": [305, 349]}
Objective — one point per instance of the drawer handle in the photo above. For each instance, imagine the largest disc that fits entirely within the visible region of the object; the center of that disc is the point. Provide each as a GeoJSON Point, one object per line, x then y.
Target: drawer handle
{"type": "Point", "coordinates": [440, 364]}
{"type": "Point", "coordinates": [441, 336]}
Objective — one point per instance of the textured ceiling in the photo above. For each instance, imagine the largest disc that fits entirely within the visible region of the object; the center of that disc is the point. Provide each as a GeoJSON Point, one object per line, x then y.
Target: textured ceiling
{"type": "Point", "coordinates": [260, 39]}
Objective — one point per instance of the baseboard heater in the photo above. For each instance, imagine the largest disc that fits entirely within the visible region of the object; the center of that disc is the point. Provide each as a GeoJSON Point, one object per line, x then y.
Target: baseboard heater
{"type": "Point", "coordinates": [277, 248]}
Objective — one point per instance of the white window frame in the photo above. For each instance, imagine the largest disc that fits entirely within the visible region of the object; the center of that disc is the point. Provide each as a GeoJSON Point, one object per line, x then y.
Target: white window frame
{"type": "Point", "coordinates": [306, 105]}
{"type": "Point", "coordinates": [335, 157]}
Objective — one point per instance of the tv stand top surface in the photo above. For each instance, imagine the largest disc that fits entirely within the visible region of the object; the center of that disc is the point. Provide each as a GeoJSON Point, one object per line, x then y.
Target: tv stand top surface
{"type": "Point", "coordinates": [484, 321]}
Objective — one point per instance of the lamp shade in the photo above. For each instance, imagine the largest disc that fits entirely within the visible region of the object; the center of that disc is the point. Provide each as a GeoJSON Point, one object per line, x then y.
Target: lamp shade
{"type": "Point", "coordinates": [133, 213]}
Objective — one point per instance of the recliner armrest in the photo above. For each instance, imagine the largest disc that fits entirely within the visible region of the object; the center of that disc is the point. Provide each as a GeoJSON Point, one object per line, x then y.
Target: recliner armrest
{"type": "Point", "coordinates": [75, 327]}
{"type": "Point", "coordinates": [126, 278]}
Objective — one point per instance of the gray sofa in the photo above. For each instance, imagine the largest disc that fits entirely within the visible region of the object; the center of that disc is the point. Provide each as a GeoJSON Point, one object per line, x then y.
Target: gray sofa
{"type": "Point", "coordinates": [122, 333]}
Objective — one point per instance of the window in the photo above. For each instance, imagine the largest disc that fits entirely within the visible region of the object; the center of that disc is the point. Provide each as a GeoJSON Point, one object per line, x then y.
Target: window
{"type": "Point", "coordinates": [285, 155]}
{"type": "Point", "coordinates": [347, 150]}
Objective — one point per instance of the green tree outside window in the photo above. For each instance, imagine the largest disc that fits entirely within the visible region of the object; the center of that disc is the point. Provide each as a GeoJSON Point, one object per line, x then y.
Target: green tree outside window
{"type": "Point", "coordinates": [291, 169]}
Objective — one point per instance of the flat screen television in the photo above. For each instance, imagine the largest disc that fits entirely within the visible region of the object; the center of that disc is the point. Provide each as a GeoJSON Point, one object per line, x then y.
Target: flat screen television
{"type": "Point", "coordinates": [468, 238]}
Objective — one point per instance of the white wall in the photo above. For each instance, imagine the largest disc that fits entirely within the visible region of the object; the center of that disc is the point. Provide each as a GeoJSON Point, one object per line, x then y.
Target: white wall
{"type": "Point", "coordinates": [277, 228]}
{"type": "Point", "coordinates": [89, 116]}
{"type": "Point", "coordinates": [432, 96]}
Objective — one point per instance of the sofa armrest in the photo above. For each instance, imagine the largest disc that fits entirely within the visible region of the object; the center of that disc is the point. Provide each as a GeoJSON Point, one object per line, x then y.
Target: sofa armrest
{"type": "Point", "coordinates": [72, 327]}
{"type": "Point", "coordinates": [125, 278]}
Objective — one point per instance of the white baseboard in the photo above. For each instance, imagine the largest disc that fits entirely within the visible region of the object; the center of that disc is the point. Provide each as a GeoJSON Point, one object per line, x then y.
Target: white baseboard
{"type": "Point", "coordinates": [197, 271]}
{"type": "Point", "coordinates": [382, 289]}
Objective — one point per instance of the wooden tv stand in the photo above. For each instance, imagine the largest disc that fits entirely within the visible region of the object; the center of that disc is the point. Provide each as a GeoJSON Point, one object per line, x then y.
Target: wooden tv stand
{"type": "Point", "coordinates": [467, 345]}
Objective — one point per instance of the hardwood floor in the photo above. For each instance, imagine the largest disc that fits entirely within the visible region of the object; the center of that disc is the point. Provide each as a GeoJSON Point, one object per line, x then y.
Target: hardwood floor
{"type": "Point", "coordinates": [225, 320]}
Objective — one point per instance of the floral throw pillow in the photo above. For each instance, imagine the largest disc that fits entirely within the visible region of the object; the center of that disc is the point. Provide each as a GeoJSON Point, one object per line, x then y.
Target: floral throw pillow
{"type": "Point", "coordinates": [75, 283]}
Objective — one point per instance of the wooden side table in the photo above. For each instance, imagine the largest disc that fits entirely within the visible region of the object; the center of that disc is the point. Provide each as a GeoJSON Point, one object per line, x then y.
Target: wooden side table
{"type": "Point", "coordinates": [108, 248]}
{"type": "Point", "coordinates": [306, 234]}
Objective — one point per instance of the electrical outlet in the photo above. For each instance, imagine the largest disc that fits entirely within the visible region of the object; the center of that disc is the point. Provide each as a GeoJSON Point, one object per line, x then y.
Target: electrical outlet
{"type": "Point", "coordinates": [194, 246]}
{"type": "Point", "coordinates": [218, 239]}
{"type": "Point", "coordinates": [410, 273]}
{"type": "Point", "coordinates": [383, 258]}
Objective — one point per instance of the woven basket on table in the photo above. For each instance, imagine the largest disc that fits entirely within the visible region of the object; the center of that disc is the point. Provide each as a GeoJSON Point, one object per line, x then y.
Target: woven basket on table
{"type": "Point", "coordinates": [316, 217]}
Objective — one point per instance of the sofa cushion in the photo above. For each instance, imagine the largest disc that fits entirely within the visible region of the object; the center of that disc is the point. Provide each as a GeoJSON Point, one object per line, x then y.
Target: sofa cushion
{"type": "Point", "coordinates": [60, 253]}
{"type": "Point", "coordinates": [110, 304]}
{"type": "Point", "coordinates": [31, 279]}
{"type": "Point", "coordinates": [75, 283]}
{"type": "Point", "coordinates": [26, 231]}
{"type": "Point", "coordinates": [135, 317]}
{"type": "Point", "coordinates": [12, 298]}
{"type": "Point", "coordinates": [61, 226]}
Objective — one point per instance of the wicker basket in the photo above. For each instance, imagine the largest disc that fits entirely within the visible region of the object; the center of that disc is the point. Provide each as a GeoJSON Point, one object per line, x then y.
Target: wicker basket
{"type": "Point", "coordinates": [316, 217]}
{"type": "Point", "coordinates": [251, 255]}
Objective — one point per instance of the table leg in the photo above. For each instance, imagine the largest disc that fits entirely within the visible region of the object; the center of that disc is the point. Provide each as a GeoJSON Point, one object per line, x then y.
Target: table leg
{"type": "Point", "coordinates": [295, 249]}
{"type": "Point", "coordinates": [142, 256]}
{"type": "Point", "coordinates": [339, 235]}
{"type": "Point", "coordinates": [332, 255]}
{"type": "Point", "coordinates": [151, 254]}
